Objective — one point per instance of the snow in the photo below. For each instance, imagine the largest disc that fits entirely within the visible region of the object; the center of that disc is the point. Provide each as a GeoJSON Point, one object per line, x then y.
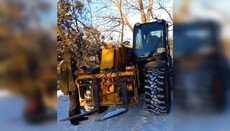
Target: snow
{"type": "Point", "coordinates": [11, 115]}
{"type": "Point", "coordinates": [137, 118]}
{"type": "Point", "coordinates": [112, 113]}
{"type": "Point", "coordinates": [59, 93]}
{"type": "Point", "coordinates": [4, 93]}
{"type": "Point", "coordinates": [218, 121]}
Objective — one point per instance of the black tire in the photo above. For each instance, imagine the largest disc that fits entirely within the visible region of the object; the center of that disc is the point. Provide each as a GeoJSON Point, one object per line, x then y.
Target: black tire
{"type": "Point", "coordinates": [171, 79]}
{"type": "Point", "coordinates": [157, 91]}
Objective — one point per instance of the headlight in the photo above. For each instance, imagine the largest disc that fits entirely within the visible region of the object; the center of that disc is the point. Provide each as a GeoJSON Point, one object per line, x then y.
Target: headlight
{"type": "Point", "coordinates": [88, 94]}
{"type": "Point", "coordinates": [160, 50]}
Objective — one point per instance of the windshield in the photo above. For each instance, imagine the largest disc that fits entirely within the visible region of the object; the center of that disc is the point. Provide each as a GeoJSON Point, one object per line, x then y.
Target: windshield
{"type": "Point", "coordinates": [148, 38]}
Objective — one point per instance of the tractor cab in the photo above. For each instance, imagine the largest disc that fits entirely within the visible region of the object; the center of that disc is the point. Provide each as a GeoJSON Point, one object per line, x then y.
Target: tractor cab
{"type": "Point", "coordinates": [150, 39]}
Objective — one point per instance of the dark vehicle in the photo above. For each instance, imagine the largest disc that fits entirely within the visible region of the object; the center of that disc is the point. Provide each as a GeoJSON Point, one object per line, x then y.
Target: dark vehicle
{"type": "Point", "coordinates": [198, 71]}
{"type": "Point", "coordinates": [152, 56]}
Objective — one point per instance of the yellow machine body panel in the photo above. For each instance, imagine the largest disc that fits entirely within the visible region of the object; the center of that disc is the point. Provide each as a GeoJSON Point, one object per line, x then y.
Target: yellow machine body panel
{"type": "Point", "coordinates": [115, 58]}
{"type": "Point", "coordinates": [108, 97]}
{"type": "Point", "coordinates": [110, 86]}
{"type": "Point", "coordinates": [107, 60]}
{"type": "Point", "coordinates": [101, 75]}
{"type": "Point", "coordinates": [110, 81]}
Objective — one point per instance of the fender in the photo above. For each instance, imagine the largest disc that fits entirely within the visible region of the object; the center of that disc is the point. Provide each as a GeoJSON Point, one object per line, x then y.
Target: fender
{"type": "Point", "coordinates": [155, 64]}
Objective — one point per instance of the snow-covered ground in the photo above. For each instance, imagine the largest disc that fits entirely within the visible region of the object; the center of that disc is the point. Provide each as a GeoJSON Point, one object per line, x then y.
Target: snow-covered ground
{"type": "Point", "coordinates": [11, 115]}
{"type": "Point", "coordinates": [136, 119]}
{"type": "Point", "coordinates": [203, 122]}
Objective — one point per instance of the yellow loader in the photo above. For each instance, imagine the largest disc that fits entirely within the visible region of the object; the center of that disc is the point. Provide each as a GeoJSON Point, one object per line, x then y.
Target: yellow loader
{"type": "Point", "coordinates": [146, 67]}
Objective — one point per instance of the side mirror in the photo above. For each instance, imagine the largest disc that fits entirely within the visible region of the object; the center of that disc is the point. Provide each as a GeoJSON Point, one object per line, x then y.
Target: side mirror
{"type": "Point", "coordinates": [92, 58]}
{"type": "Point", "coordinates": [126, 43]}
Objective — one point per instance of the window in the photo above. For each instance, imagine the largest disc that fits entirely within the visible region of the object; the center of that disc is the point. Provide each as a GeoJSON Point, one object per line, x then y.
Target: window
{"type": "Point", "coordinates": [139, 43]}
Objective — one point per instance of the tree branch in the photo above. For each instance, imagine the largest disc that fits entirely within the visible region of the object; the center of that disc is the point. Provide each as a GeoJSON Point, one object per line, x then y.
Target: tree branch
{"type": "Point", "coordinates": [126, 20]}
{"type": "Point", "coordinates": [149, 10]}
{"type": "Point", "coordinates": [122, 20]}
{"type": "Point", "coordinates": [162, 7]}
{"type": "Point", "coordinates": [128, 3]}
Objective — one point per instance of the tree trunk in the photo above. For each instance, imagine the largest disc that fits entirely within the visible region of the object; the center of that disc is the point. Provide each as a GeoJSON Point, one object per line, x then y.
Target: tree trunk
{"type": "Point", "coordinates": [149, 10]}
{"type": "Point", "coordinates": [143, 19]}
{"type": "Point", "coordinates": [127, 22]}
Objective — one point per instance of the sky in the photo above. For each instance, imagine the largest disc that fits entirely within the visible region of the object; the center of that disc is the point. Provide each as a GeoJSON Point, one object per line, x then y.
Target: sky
{"type": "Point", "coordinates": [50, 17]}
